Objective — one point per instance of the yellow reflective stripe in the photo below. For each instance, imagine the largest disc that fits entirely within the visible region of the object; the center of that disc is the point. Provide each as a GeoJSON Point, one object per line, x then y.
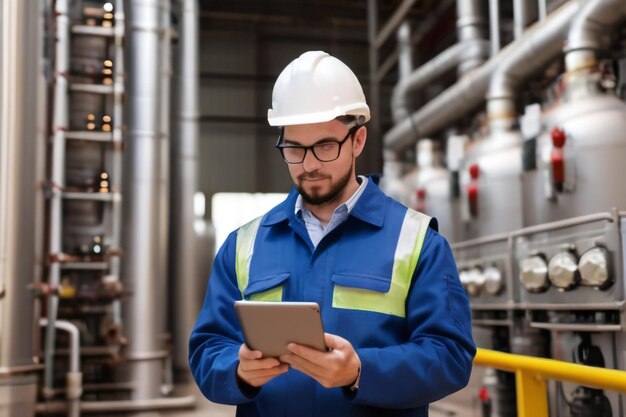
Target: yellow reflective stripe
{"type": "Point", "coordinates": [408, 248]}
{"type": "Point", "coordinates": [273, 294]}
{"type": "Point", "coordinates": [246, 236]}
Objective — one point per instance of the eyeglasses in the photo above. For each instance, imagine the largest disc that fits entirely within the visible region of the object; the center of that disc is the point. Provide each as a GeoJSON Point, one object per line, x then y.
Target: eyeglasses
{"type": "Point", "coordinates": [325, 151]}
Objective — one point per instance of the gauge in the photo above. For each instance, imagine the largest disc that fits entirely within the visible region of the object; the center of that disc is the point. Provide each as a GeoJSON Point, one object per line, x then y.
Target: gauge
{"type": "Point", "coordinates": [534, 273]}
{"type": "Point", "coordinates": [594, 268]}
{"type": "Point", "coordinates": [493, 280]}
{"type": "Point", "coordinates": [475, 281]}
{"type": "Point", "coordinates": [563, 270]}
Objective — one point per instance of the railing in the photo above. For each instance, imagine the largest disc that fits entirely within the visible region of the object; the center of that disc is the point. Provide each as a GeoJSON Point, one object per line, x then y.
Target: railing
{"type": "Point", "coordinates": [531, 374]}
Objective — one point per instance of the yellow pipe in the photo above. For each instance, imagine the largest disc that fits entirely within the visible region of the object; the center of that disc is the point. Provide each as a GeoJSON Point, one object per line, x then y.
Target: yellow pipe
{"type": "Point", "coordinates": [588, 376]}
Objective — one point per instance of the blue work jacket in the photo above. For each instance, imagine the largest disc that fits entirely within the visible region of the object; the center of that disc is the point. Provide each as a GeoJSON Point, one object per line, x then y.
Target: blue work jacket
{"type": "Point", "coordinates": [407, 360]}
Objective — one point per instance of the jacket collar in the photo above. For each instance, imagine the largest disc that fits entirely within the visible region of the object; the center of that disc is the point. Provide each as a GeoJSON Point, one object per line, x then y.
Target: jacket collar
{"type": "Point", "coordinates": [369, 208]}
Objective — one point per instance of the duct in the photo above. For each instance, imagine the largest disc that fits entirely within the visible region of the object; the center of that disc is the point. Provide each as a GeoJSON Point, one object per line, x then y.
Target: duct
{"type": "Point", "coordinates": [469, 92]}
{"type": "Point", "coordinates": [60, 122]}
{"type": "Point", "coordinates": [466, 55]}
{"type": "Point", "coordinates": [541, 45]}
{"type": "Point", "coordinates": [187, 283]}
{"type": "Point", "coordinates": [141, 211]}
{"type": "Point", "coordinates": [74, 376]}
{"type": "Point", "coordinates": [590, 31]}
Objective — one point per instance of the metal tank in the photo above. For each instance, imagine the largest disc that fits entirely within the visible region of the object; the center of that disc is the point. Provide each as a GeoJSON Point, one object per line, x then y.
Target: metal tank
{"type": "Point", "coordinates": [580, 154]}
{"type": "Point", "coordinates": [432, 188]}
{"type": "Point", "coordinates": [490, 185]}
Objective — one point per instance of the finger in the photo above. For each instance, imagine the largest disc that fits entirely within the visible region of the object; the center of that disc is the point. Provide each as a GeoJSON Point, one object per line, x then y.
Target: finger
{"type": "Point", "coordinates": [246, 353]}
{"type": "Point", "coordinates": [254, 364]}
{"type": "Point", "coordinates": [335, 342]}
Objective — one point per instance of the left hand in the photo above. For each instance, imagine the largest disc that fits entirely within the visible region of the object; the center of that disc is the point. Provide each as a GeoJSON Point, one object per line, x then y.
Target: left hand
{"type": "Point", "coordinates": [337, 367]}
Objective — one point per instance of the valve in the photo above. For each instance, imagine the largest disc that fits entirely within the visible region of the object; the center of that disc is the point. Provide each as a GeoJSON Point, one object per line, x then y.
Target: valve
{"type": "Point", "coordinates": [472, 190]}
{"type": "Point", "coordinates": [557, 157]}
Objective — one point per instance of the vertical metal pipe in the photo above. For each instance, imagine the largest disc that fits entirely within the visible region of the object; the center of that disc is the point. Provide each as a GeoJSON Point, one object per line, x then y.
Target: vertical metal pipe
{"type": "Point", "coordinates": [60, 120]}
{"type": "Point", "coordinates": [185, 165]}
{"type": "Point", "coordinates": [141, 232]}
{"type": "Point", "coordinates": [117, 163]}
{"type": "Point", "coordinates": [543, 9]}
{"type": "Point", "coordinates": [20, 98]}
{"type": "Point", "coordinates": [470, 28]}
{"type": "Point", "coordinates": [405, 50]}
{"type": "Point", "coordinates": [524, 13]}
{"type": "Point", "coordinates": [375, 146]}
{"type": "Point", "coordinates": [494, 26]}
{"type": "Point", "coordinates": [164, 171]}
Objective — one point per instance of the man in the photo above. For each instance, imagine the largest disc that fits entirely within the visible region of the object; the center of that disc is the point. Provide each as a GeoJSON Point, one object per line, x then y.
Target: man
{"type": "Point", "coordinates": [396, 316]}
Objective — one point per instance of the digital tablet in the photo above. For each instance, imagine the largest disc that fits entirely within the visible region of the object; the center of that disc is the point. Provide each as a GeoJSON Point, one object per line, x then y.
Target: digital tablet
{"type": "Point", "coordinates": [271, 326]}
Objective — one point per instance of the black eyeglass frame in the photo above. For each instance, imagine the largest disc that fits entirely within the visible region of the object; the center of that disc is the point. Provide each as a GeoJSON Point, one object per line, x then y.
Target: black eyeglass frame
{"type": "Point", "coordinates": [281, 146]}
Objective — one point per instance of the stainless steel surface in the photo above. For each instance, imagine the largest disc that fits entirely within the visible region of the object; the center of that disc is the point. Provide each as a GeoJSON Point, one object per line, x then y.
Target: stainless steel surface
{"type": "Point", "coordinates": [187, 278]}
{"type": "Point", "coordinates": [573, 327]}
{"type": "Point", "coordinates": [405, 50]}
{"type": "Point", "coordinates": [141, 214]}
{"type": "Point", "coordinates": [469, 92]}
{"type": "Point", "coordinates": [121, 405]}
{"type": "Point", "coordinates": [524, 12]}
{"type": "Point", "coordinates": [21, 46]}
{"type": "Point", "coordinates": [587, 35]}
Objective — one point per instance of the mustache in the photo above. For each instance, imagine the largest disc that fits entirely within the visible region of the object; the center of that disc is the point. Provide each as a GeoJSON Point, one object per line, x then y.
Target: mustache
{"type": "Point", "coordinates": [311, 176]}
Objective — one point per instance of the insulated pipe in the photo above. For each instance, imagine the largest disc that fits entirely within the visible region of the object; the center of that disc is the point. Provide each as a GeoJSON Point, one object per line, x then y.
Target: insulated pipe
{"type": "Point", "coordinates": [60, 119]}
{"type": "Point", "coordinates": [466, 55]}
{"type": "Point", "coordinates": [589, 32]}
{"type": "Point", "coordinates": [74, 376]}
{"type": "Point", "coordinates": [541, 46]}
{"type": "Point", "coordinates": [468, 93]}
{"type": "Point", "coordinates": [141, 231]}
{"type": "Point", "coordinates": [186, 277]}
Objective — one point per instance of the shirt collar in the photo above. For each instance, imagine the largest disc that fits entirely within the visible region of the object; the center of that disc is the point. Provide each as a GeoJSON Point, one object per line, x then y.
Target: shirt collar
{"type": "Point", "coordinates": [369, 207]}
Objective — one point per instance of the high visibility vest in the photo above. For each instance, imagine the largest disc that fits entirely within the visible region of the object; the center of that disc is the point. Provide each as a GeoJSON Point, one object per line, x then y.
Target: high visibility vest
{"type": "Point", "coordinates": [406, 256]}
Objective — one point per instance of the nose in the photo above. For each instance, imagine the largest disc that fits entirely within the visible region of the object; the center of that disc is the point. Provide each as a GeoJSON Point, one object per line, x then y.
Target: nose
{"type": "Point", "coordinates": [311, 163]}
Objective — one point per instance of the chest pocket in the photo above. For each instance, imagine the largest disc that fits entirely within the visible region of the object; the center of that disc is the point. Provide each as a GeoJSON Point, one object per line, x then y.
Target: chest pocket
{"type": "Point", "coordinates": [385, 294]}
{"type": "Point", "coordinates": [369, 293]}
{"type": "Point", "coordinates": [268, 288]}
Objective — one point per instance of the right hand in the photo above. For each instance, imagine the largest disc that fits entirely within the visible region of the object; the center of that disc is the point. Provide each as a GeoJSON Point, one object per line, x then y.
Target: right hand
{"type": "Point", "coordinates": [255, 370]}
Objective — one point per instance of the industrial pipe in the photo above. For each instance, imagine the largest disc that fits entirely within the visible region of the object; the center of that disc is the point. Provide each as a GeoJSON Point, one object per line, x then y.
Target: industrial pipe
{"type": "Point", "coordinates": [540, 46]}
{"type": "Point", "coordinates": [186, 282]}
{"type": "Point", "coordinates": [60, 118]}
{"type": "Point", "coordinates": [467, 54]}
{"type": "Point", "coordinates": [74, 388]}
{"type": "Point", "coordinates": [589, 31]}
{"type": "Point", "coordinates": [141, 211]}
{"type": "Point", "coordinates": [469, 92]}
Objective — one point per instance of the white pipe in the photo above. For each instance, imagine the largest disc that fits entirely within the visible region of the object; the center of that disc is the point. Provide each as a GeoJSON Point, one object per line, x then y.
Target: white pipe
{"type": "Point", "coordinates": [494, 26]}
{"type": "Point", "coordinates": [405, 58]}
{"type": "Point", "coordinates": [74, 388]}
{"type": "Point", "coordinates": [60, 123]}
{"type": "Point", "coordinates": [466, 55]}
{"type": "Point", "coordinates": [541, 45]}
{"type": "Point", "coordinates": [589, 31]}
{"type": "Point", "coordinates": [543, 9]}
{"type": "Point", "coordinates": [468, 93]}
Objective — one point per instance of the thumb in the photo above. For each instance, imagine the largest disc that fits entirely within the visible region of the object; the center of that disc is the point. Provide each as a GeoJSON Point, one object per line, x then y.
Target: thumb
{"type": "Point", "coordinates": [333, 341]}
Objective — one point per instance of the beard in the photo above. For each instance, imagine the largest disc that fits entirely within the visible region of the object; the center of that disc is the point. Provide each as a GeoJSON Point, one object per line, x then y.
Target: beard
{"type": "Point", "coordinates": [316, 198]}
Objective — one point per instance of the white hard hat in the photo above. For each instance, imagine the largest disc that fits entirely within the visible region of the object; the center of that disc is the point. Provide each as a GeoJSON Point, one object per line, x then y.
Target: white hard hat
{"type": "Point", "coordinates": [315, 88]}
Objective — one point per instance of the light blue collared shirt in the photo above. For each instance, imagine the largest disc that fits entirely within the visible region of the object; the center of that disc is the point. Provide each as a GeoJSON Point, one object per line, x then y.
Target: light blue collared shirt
{"type": "Point", "coordinates": [315, 227]}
